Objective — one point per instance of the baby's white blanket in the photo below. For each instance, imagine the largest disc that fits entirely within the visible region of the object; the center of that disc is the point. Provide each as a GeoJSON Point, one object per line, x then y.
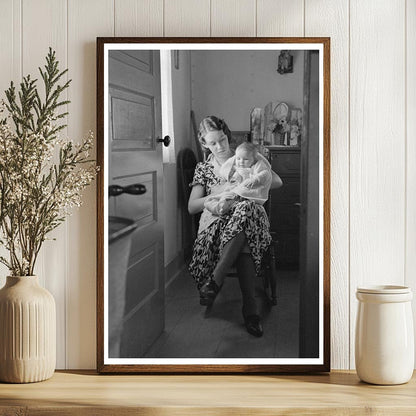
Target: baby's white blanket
{"type": "Point", "coordinates": [258, 193]}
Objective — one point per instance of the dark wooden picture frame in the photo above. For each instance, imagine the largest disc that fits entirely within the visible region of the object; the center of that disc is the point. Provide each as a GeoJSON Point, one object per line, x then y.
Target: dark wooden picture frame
{"type": "Point", "coordinates": [314, 298]}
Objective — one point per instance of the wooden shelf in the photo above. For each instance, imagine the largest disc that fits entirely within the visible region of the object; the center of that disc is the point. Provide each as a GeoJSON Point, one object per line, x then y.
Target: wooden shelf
{"type": "Point", "coordinates": [85, 393]}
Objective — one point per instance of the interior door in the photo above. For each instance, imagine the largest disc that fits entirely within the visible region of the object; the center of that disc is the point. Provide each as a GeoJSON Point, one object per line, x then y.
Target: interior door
{"type": "Point", "coordinates": [136, 157]}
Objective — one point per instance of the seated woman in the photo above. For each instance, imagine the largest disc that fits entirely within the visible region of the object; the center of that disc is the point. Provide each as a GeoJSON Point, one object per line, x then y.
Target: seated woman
{"type": "Point", "coordinates": [238, 237]}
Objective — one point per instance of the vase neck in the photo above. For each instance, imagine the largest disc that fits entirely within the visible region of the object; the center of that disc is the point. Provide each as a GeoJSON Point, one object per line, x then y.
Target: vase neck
{"type": "Point", "coordinates": [22, 280]}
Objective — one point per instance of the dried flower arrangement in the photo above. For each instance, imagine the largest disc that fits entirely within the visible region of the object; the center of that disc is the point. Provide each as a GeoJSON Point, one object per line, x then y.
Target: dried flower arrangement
{"type": "Point", "coordinates": [41, 175]}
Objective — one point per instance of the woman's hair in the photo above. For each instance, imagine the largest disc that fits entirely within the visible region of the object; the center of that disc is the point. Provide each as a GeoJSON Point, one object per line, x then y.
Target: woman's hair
{"type": "Point", "coordinates": [212, 123]}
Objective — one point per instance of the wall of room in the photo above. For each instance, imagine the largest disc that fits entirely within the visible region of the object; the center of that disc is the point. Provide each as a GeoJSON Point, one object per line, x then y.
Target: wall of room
{"type": "Point", "coordinates": [230, 84]}
{"type": "Point", "coordinates": [373, 151]}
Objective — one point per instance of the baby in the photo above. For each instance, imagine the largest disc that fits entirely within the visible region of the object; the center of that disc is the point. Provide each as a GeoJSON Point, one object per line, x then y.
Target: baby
{"type": "Point", "coordinates": [248, 175]}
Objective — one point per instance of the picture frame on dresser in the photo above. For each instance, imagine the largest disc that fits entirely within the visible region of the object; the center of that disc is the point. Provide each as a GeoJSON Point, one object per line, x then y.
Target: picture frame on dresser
{"type": "Point", "coordinates": [152, 94]}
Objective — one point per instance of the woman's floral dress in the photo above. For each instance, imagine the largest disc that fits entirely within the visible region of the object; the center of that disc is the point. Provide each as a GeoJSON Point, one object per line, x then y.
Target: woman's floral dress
{"type": "Point", "coordinates": [245, 216]}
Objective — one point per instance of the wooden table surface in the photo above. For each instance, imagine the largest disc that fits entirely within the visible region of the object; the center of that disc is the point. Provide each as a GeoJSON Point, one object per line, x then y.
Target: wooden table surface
{"type": "Point", "coordinates": [86, 393]}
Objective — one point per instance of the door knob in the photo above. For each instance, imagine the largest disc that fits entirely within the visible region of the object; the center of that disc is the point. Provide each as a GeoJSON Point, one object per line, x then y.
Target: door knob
{"type": "Point", "coordinates": [165, 141]}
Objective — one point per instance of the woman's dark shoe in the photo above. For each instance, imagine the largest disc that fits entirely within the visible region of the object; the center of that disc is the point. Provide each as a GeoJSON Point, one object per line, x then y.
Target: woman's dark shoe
{"type": "Point", "coordinates": [253, 325]}
{"type": "Point", "coordinates": [208, 293]}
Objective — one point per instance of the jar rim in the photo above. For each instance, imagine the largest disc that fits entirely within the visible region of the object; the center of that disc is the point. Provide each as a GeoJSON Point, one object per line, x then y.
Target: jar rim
{"type": "Point", "coordinates": [384, 289]}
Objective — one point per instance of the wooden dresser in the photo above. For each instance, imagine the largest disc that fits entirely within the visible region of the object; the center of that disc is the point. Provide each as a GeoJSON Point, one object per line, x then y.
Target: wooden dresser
{"type": "Point", "coordinates": [285, 203]}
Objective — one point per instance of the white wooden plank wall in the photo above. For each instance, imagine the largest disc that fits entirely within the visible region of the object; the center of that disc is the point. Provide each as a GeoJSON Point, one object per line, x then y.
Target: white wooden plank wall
{"type": "Point", "coordinates": [377, 146]}
{"type": "Point", "coordinates": [138, 17]}
{"type": "Point", "coordinates": [410, 105]}
{"type": "Point", "coordinates": [52, 266]}
{"type": "Point", "coordinates": [10, 62]}
{"type": "Point", "coordinates": [280, 18]}
{"type": "Point", "coordinates": [233, 18]}
{"type": "Point", "coordinates": [187, 18]}
{"type": "Point", "coordinates": [330, 18]}
{"type": "Point", "coordinates": [373, 151]}
{"type": "Point", "coordinates": [85, 20]}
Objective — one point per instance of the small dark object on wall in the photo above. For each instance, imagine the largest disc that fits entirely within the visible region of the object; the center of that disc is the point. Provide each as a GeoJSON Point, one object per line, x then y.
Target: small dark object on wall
{"type": "Point", "coordinates": [285, 63]}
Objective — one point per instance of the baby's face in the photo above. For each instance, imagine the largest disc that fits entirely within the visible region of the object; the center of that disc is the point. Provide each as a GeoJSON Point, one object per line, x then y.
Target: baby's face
{"type": "Point", "coordinates": [244, 158]}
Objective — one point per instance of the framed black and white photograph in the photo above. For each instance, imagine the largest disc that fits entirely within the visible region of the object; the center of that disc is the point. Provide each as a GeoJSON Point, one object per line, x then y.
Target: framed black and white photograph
{"type": "Point", "coordinates": [213, 205]}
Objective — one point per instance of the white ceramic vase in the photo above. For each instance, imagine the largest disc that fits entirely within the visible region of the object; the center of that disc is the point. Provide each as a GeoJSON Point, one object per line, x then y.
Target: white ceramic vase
{"type": "Point", "coordinates": [27, 331]}
{"type": "Point", "coordinates": [384, 340]}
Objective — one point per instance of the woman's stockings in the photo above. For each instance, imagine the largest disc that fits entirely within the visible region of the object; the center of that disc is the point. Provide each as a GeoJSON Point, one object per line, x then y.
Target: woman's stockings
{"type": "Point", "coordinates": [232, 253]}
{"type": "Point", "coordinates": [247, 279]}
{"type": "Point", "coordinates": [245, 269]}
{"type": "Point", "coordinates": [228, 257]}
{"type": "Point", "coordinates": [246, 276]}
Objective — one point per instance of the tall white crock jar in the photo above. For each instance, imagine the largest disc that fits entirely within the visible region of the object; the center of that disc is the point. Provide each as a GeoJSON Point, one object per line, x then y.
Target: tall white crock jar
{"type": "Point", "coordinates": [384, 340]}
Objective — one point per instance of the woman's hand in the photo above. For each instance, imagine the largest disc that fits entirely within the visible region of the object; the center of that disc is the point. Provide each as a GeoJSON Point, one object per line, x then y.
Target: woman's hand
{"type": "Point", "coordinates": [228, 195]}
{"type": "Point", "coordinates": [212, 204]}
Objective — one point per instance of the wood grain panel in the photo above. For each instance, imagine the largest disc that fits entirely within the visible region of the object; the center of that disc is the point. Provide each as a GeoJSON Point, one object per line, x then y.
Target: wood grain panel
{"type": "Point", "coordinates": [233, 18]}
{"type": "Point", "coordinates": [138, 286]}
{"type": "Point", "coordinates": [86, 20]}
{"type": "Point", "coordinates": [377, 152]}
{"type": "Point", "coordinates": [10, 66]}
{"type": "Point", "coordinates": [138, 18]}
{"type": "Point", "coordinates": [280, 18]}
{"type": "Point", "coordinates": [131, 120]}
{"type": "Point", "coordinates": [187, 18]}
{"type": "Point", "coordinates": [141, 60]}
{"type": "Point", "coordinates": [86, 393]}
{"type": "Point", "coordinates": [330, 18]}
{"type": "Point", "coordinates": [37, 38]}
{"type": "Point", "coordinates": [410, 278]}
